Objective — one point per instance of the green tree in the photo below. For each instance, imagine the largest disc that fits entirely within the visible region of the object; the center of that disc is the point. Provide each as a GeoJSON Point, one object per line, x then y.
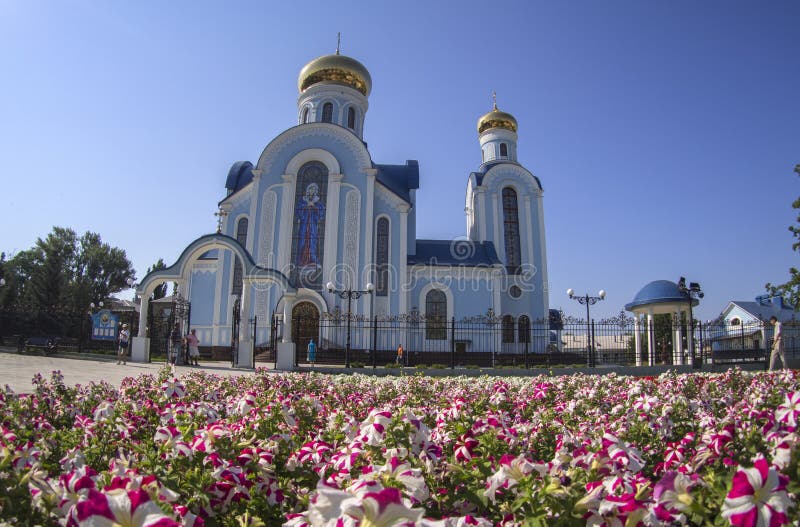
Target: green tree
{"type": "Point", "coordinates": [161, 290]}
{"type": "Point", "coordinates": [790, 291]}
{"type": "Point", "coordinates": [63, 271]}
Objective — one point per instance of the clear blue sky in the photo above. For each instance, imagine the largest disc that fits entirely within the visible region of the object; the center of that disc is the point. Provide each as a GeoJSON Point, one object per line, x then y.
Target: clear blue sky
{"type": "Point", "coordinates": [664, 133]}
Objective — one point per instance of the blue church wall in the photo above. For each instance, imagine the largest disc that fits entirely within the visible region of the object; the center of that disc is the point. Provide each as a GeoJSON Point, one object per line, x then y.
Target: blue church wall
{"type": "Point", "coordinates": [201, 292]}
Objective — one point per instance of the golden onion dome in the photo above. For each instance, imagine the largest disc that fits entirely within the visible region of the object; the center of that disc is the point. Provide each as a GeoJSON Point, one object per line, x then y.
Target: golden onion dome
{"type": "Point", "coordinates": [338, 69]}
{"type": "Point", "coordinates": [497, 119]}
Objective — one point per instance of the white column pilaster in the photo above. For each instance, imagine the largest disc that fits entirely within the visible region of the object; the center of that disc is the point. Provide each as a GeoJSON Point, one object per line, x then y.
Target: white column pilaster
{"type": "Point", "coordinates": [402, 271]}
{"type": "Point", "coordinates": [288, 305]}
{"type": "Point", "coordinates": [677, 347]}
{"type": "Point", "coordinates": [331, 243]}
{"type": "Point", "coordinates": [369, 222]}
{"type": "Point", "coordinates": [251, 221]}
{"type": "Point", "coordinates": [286, 223]}
{"type": "Point", "coordinates": [481, 213]}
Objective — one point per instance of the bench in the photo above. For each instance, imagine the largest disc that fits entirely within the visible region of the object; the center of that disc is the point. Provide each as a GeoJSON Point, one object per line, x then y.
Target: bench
{"type": "Point", "coordinates": [44, 343]}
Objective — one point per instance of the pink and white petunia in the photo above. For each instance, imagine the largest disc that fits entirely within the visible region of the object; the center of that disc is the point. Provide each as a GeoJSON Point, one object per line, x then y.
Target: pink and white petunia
{"type": "Point", "coordinates": [788, 412]}
{"type": "Point", "coordinates": [384, 508]}
{"type": "Point", "coordinates": [119, 507]}
{"type": "Point", "coordinates": [173, 388]}
{"type": "Point", "coordinates": [758, 497]}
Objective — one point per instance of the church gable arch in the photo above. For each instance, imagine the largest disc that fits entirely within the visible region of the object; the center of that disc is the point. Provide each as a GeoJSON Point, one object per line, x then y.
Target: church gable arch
{"type": "Point", "coordinates": [275, 154]}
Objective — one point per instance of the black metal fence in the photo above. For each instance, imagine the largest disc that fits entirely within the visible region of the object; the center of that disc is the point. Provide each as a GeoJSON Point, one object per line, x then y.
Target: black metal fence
{"type": "Point", "coordinates": [67, 331]}
{"type": "Point", "coordinates": [475, 342]}
{"type": "Point", "coordinates": [478, 342]}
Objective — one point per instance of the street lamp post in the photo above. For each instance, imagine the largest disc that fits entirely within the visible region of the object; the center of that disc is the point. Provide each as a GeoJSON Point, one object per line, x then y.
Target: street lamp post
{"type": "Point", "coordinates": [692, 292]}
{"type": "Point", "coordinates": [588, 301]}
{"type": "Point", "coordinates": [349, 294]}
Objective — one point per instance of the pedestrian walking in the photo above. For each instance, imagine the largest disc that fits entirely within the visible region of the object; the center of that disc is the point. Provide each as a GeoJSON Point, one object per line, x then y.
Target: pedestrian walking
{"type": "Point", "coordinates": [311, 352]}
{"type": "Point", "coordinates": [399, 358]}
{"type": "Point", "coordinates": [193, 344]}
{"type": "Point", "coordinates": [777, 344]}
{"type": "Point", "coordinates": [123, 339]}
{"type": "Point", "coordinates": [175, 339]}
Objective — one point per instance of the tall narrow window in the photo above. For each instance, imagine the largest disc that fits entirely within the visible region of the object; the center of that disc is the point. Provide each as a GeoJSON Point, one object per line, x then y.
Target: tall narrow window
{"type": "Point", "coordinates": [503, 150]}
{"type": "Point", "coordinates": [304, 118]}
{"type": "Point", "coordinates": [508, 329]}
{"type": "Point", "coordinates": [435, 315]}
{"type": "Point", "coordinates": [524, 328]}
{"type": "Point", "coordinates": [241, 237]}
{"type": "Point", "coordinates": [382, 258]}
{"type": "Point", "coordinates": [351, 118]}
{"type": "Point", "coordinates": [327, 112]}
{"type": "Point", "coordinates": [511, 230]}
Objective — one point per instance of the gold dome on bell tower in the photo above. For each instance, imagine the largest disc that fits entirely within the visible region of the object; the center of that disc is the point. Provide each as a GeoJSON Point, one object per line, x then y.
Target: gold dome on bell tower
{"type": "Point", "coordinates": [496, 119]}
{"type": "Point", "coordinates": [336, 69]}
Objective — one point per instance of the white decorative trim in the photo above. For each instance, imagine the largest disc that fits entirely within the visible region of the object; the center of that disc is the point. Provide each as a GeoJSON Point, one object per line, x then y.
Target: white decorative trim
{"type": "Point", "coordinates": [312, 154]}
{"type": "Point", "coordinates": [330, 245]}
{"type": "Point", "coordinates": [328, 131]}
{"type": "Point", "coordinates": [286, 221]}
{"type": "Point", "coordinates": [269, 203]}
{"type": "Point", "coordinates": [512, 171]}
{"type": "Point", "coordinates": [352, 229]}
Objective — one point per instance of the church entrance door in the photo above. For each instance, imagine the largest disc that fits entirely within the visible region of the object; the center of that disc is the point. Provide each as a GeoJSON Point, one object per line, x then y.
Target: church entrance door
{"type": "Point", "coordinates": [305, 322]}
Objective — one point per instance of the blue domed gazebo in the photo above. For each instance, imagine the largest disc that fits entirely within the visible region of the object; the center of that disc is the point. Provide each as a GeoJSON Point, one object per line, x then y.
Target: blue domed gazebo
{"type": "Point", "coordinates": [656, 298]}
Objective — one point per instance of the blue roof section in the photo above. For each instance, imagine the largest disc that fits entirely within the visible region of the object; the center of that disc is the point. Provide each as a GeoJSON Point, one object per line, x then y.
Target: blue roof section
{"type": "Point", "coordinates": [240, 174]}
{"type": "Point", "coordinates": [400, 179]}
{"type": "Point", "coordinates": [763, 310]}
{"type": "Point", "coordinates": [457, 252]}
{"type": "Point", "coordinates": [659, 292]}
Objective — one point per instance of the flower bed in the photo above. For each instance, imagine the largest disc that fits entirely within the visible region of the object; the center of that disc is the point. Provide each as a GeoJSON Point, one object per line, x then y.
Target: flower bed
{"type": "Point", "coordinates": [309, 449]}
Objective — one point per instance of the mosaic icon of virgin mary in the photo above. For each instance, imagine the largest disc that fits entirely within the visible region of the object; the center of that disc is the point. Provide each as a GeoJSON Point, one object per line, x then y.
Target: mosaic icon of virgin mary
{"type": "Point", "coordinates": [310, 212]}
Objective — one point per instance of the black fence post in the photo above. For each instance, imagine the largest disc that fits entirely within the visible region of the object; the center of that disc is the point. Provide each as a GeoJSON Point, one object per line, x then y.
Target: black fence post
{"type": "Point", "coordinates": [374, 341]}
{"type": "Point", "coordinates": [592, 358]}
{"type": "Point", "coordinates": [527, 343]}
{"type": "Point", "coordinates": [453, 343]}
{"type": "Point", "coordinates": [253, 354]}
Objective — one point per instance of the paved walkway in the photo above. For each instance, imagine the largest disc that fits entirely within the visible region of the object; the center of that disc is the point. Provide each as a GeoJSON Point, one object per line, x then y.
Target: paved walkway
{"type": "Point", "coordinates": [17, 370]}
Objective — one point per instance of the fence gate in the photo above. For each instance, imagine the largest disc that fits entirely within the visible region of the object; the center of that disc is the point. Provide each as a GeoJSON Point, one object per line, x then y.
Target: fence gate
{"type": "Point", "coordinates": [160, 324]}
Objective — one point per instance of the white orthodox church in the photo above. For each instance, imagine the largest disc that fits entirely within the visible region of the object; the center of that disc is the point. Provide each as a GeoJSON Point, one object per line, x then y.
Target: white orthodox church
{"type": "Point", "coordinates": [315, 209]}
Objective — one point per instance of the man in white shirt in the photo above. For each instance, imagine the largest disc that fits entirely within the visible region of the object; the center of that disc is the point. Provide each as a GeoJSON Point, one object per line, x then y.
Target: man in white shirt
{"type": "Point", "coordinates": [777, 344]}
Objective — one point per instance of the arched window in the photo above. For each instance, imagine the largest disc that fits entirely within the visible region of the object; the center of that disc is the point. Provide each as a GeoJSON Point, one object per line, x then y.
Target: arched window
{"type": "Point", "coordinates": [511, 230]}
{"type": "Point", "coordinates": [503, 150]}
{"type": "Point", "coordinates": [435, 315]}
{"type": "Point", "coordinates": [304, 118]}
{"type": "Point", "coordinates": [241, 237]}
{"type": "Point", "coordinates": [382, 257]}
{"type": "Point", "coordinates": [524, 329]}
{"type": "Point", "coordinates": [327, 112]}
{"type": "Point", "coordinates": [351, 118]}
{"type": "Point", "coordinates": [508, 329]}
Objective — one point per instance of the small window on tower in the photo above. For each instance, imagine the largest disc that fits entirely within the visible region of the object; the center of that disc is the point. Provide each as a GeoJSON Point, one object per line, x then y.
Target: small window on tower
{"type": "Point", "coordinates": [351, 118]}
{"type": "Point", "coordinates": [304, 119]}
{"type": "Point", "coordinates": [503, 150]}
{"type": "Point", "coordinates": [327, 112]}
